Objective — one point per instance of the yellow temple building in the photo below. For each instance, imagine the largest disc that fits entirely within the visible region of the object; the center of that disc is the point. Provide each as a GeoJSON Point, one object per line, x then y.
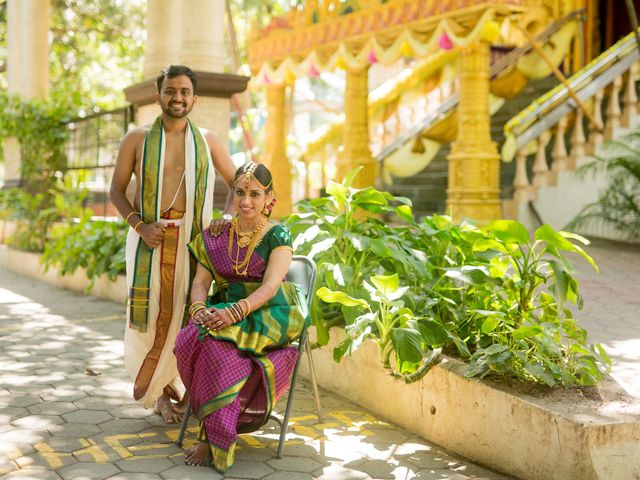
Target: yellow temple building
{"type": "Point", "coordinates": [503, 96]}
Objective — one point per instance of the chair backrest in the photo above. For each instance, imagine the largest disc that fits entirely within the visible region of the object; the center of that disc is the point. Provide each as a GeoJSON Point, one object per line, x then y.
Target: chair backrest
{"type": "Point", "coordinates": [303, 272]}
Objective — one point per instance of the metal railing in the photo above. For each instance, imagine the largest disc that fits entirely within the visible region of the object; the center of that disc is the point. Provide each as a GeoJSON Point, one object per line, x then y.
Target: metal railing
{"type": "Point", "coordinates": [92, 150]}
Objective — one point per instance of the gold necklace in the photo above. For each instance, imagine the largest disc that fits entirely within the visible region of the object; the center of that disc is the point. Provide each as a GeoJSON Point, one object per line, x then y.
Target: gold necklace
{"type": "Point", "coordinates": [244, 238]}
{"type": "Point", "coordinates": [241, 267]}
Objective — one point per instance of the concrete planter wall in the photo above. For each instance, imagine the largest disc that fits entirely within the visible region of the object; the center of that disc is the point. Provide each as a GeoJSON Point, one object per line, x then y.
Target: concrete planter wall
{"type": "Point", "coordinates": [28, 264]}
{"type": "Point", "coordinates": [506, 432]}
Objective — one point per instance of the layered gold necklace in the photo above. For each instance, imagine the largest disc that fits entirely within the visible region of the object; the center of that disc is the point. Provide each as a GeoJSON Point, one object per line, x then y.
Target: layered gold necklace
{"type": "Point", "coordinates": [248, 239]}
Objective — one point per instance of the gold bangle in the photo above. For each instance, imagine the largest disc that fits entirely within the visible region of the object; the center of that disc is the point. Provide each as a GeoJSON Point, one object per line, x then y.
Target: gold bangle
{"type": "Point", "coordinates": [135, 229]}
{"type": "Point", "coordinates": [126, 219]}
{"type": "Point", "coordinates": [248, 311]}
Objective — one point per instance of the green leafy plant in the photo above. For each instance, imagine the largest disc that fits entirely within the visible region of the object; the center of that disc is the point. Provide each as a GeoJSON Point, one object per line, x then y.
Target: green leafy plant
{"type": "Point", "coordinates": [523, 326]}
{"type": "Point", "coordinates": [492, 296]}
{"type": "Point", "coordinates": [345, 235]}
{"type": "Point", "coordinates": [38, 126]}
{"type": "Point", "coordinates": [618, 205]}
{"type": "Point", "coordinates": [33, 215]}
{"type": "Point", "coordinates": [97, 246]}
{"type": "Point", "coordinates": [392, 326]}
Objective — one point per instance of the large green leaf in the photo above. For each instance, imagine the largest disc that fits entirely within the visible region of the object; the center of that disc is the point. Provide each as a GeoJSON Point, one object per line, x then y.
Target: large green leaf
{"type": "Point", "coordinates": [342, 298]}
{"type": "Point", "coordinates": [348, 180]}
{"type": "Point", "coordinates": [387, 284]}
{"type": "Point", "coordinates": [433, 333]}
{"type": "Point", "coordinates": [559, 240]}
{"type": "Point", "coordinates": [509, 231]}
{"type": "Point", "coordinates": [407, 345]}
{"type": "Point", "coordinates": [405, 213]}
{"type": "Point", "coordinates": [526, 332]}
{"type": "Point", "coordinates": [338, 191]}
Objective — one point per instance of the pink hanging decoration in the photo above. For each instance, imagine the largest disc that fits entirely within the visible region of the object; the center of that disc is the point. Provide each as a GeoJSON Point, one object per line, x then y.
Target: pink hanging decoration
{"type": "Point", "coordinates": [266, 79]}
{"type": "Point", "coordinates": [444, 42]}
{"type": "Point", "coordinates": [313, 71]}
{"type": "Point", "coordinates": [372, 58]}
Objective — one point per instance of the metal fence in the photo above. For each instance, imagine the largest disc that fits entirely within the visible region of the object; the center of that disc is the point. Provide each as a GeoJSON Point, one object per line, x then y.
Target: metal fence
{"type": "Point", "coordinates": [91, 152]}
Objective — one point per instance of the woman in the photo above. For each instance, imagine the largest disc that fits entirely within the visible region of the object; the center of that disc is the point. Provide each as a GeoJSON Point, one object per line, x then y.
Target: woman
{"type": "Point", "coordinates": [233, 355]}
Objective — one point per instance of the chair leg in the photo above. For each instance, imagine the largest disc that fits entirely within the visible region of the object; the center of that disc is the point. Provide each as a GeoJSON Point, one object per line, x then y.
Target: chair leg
{"type": "Point", "coordinates": [314, 383]}
{"type": "Point", "coordinates": [183, 425]}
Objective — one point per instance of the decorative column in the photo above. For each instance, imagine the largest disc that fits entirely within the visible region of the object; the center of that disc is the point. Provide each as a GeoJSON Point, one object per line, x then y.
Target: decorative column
{"type": "Point", "coordinates": [275, 157]}
{"type": "Point", "coordinates": [161, 49]}
{"type": "Point", "coordinates": [27, 65]}
{"type": "Point", "coordinates": [474, 163]}
{"type": "Point", "coordinates": [356, 131]}
{"type": "Point", "coordinates": [203, 25]}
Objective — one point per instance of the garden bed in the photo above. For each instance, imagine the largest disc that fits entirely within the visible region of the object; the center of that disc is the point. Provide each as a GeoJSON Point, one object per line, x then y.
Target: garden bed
{"type": "Point", "coordinates": [527, 431]}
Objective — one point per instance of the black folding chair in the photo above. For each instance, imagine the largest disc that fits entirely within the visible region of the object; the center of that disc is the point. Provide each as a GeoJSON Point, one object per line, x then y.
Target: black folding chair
{"type": "Point", "coordinates": [302, 272]}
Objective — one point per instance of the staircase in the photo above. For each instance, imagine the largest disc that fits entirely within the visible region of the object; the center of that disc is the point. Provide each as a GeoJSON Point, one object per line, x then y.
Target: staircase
{"type": "Point", "coordinates": [427, 190]}
{"type": "Point", "coordinates": [548, 141]}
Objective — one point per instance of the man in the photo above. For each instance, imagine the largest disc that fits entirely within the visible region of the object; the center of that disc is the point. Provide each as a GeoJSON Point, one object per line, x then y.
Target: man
{"type": "Point", "coordinates": [173, 162]}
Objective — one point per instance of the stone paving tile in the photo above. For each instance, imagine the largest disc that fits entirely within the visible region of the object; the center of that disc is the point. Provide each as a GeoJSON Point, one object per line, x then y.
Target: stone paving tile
{"type": "Point", "coordinates": [92, 417]}
{"type": "Point", "coordinates": [439, 475]}
{"type": "Point", "coordinates": [38, 422]}
{"type": "Point", "coordinates": [190, 473]}
{"type": "Point", "coordinates": [136, 476]}
{"type": "Point", "coordinates": [252, 470]}
{"type": "Point", "coordinates": [32, 474]}
{"type": "Point", "coordinates": [19, 400]}
{"type": "Point", "coordinates": [73, 430]}
{"type": "Point", "coordinates": [8, 414]}
{"type": "Point", "coordinates": [88, 471]}
{"type": "Point", "coordinates": [63, 395]}
{"type": "Point", "coordinates": [45, 460]}
{"type": "Point", "coordinates": [124, 426]}
{"type": "Point", "coordinates": [288, 476]}
{"type": "Point", "coordinates": [145, 465]}
{"type": "Point", "coordinates": [294, 464]}
{"type": "Point", "coordinates": [52, 408]}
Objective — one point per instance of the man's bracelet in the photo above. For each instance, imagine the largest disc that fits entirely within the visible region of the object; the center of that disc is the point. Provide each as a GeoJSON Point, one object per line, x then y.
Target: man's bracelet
{"type": "Point", "coordinates": [137, 225]}
{"type": "Point", "coordinates": [126, 219]}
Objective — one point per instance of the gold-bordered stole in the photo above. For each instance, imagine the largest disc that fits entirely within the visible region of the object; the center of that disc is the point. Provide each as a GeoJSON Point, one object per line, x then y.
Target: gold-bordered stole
{"type": "Point", "coordinates": [201, 176]}
{"type": "Point", "coordinates": [150, 175]}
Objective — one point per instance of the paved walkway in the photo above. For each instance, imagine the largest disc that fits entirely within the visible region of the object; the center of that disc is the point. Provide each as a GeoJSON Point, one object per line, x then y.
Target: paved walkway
{"type": "Point", "coordinates": [611, 311]}
{"type": "Point", "coordinates": [66, 411]}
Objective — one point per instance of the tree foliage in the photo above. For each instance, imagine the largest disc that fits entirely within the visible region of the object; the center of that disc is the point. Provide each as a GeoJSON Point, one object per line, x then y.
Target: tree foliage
{"type": "Point", "coordinates": [96, 50]}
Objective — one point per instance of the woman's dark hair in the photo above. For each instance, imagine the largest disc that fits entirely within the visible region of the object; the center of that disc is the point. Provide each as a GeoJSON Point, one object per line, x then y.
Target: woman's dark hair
{"type": "Point", "coordinates": [172, 71]}
{"type": "Point", "coordinates": [259, 171]}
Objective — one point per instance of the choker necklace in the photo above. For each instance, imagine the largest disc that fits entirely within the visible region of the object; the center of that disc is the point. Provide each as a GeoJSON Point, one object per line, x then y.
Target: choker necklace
{"type": "Point", "coordinates": [244, 239]}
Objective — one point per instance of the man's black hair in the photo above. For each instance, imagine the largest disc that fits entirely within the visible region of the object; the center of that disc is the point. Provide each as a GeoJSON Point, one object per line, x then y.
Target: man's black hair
{"type": "Point", "coordinates": [172, 71]}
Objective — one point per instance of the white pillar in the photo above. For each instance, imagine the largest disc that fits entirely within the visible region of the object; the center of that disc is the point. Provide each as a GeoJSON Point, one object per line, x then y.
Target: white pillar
{"type": "Point", "coordinates": [27, 65]}
{"type": "Point", "coordinates": [202, 46]}
{"type": "Point", "coordinates": [35, 48]}
{"type": "Point", "coordinates": [162, 47]}
{"type": "Point", "coordinates": [14, 45]}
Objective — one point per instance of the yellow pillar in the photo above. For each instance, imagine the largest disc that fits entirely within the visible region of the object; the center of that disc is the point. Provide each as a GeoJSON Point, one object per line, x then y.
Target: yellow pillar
{"type": "Point", "coordinates": [474, 163]}
{"type": "Point", "coordinates": [274, 155]}
{"type": "Point", "coordinates": [356, 131]}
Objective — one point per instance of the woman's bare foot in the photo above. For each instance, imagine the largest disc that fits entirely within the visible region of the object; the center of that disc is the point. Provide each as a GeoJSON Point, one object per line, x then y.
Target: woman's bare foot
{"type": "Point", "coordinates": [164, 407]}
{"type": "Point", "coordinates": [197, 455]}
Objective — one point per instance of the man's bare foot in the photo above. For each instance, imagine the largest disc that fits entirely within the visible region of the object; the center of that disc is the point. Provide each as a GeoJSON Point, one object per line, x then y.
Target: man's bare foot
{"type": "Point", "coordinates": [197, 455]}
{"type": "Point", "coordinates": [164, 407]}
